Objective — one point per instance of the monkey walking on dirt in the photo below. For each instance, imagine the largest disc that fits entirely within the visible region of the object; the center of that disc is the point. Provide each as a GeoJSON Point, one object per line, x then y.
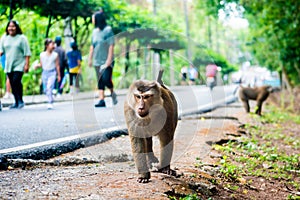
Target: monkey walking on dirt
{"type": "Point", "coordinates": [259, 94]}
{"type": "Point", "coordinates": [151, 110]}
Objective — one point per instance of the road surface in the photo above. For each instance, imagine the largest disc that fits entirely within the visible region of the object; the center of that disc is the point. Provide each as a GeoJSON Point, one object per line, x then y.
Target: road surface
{"type": "Point", "coordinates": [36, 125]}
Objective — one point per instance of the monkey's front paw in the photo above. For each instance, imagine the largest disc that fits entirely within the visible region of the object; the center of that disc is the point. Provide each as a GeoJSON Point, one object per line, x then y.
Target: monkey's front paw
{"type": "Point", "coordinates": [144, 178]}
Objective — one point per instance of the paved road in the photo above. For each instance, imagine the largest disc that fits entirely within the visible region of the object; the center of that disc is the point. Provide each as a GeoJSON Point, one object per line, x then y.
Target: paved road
{"type": "Point", "coordinates": [77, 118]}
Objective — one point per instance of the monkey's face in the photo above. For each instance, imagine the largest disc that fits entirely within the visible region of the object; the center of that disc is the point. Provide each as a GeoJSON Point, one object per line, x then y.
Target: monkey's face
{"type": "Point", "coordinates": [142, 97]}
{"type": "Point", "coordinates": [143, 102]}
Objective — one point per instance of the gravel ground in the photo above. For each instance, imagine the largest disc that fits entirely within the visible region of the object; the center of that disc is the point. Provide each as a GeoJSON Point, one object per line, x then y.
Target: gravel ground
{"type": "Point", "coordinates": [107, 171]}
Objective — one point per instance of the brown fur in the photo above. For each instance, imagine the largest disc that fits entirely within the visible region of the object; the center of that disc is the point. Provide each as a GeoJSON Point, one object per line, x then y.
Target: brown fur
{"type": "Point", "coordinates": [259, 94]}
{"type": "Point", "coordinates": [147, 117]}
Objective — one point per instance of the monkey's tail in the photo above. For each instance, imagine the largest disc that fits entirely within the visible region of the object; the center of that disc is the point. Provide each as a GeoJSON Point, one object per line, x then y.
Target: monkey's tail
{"type": "Point", "coordinates": [159, 80]}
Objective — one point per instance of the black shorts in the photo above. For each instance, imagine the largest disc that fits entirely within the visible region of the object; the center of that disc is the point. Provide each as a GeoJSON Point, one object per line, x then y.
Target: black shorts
{"type": "Point", "coordinates": [105, 79]}
{"type": "Point", "coordinates": [74, 76]}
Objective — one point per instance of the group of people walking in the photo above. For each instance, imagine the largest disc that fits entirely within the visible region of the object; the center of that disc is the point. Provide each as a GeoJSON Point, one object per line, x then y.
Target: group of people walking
{"type": "Point", "coordinates": [53, 60]}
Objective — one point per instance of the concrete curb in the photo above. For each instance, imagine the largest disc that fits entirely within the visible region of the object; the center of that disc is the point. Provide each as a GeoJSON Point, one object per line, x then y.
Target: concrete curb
{"type": "Point", "coordinates": [52, 148]}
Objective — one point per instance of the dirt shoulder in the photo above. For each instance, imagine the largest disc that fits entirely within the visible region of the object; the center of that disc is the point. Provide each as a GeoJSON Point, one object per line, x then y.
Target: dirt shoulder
{"type": "Point", "coordinates": [107, 171]}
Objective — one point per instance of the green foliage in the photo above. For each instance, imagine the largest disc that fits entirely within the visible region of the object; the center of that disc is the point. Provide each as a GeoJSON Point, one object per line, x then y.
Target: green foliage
{"type": "Point", "coordinates": [31, 81]}
{"type": "Point", "coordinates": [274, 29]}
{"type": "Point", "coordinates": [229, 170]}
{"type": "Point", "coordinates": [57, 8]}
{"type": "Point", "coordinates": [188, 197]}
{"type": "Point", "coordinates": [203, 57]}
{"type": "Point", "coordinates": [2, 79]}
{"type": "Point", "coordinates": [161, 32]}
{"type": "Point", "coordinates": [278, 115]}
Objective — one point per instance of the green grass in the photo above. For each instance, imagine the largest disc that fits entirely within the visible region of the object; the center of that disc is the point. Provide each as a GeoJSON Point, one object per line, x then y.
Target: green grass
{"type": "Point", "coordinates": [269, 151]}
{"type": "Point", "coordinates": [277, 115]}
{"type": "Point", "coordinates": [258, 155]}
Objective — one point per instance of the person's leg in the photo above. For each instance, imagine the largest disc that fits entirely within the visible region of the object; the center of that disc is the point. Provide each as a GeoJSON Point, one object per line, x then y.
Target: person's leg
{"type": "Point", "coordinates": [101, 102]}
{"type": "Point", "coordinates": [77, 76]}
{"type": "Point", "coordinates": [101, 94]}
{"type": "Point", "coordinates": [19, 87]}
{"type": "Point", "coordinates": [71, 83]}
{"type": "Point", "coordinates": [8, 89]}
{"type": "Point", "coordinates": [50, 86]}
{"type": "Point", "coordinates": [13, 89]}
{"type": "Point", "coordinates": [47, 85]}
{"type": "Point", "coordinates": [107, 79]}
{"type": "Point", "coordinates": [101, 88]}
{"type": "Point", "coordinates": [59, 87]}
{"type": "Point", "coordinates": [113, 96]}
{"type": "Point", "coordinates": [15, 79]}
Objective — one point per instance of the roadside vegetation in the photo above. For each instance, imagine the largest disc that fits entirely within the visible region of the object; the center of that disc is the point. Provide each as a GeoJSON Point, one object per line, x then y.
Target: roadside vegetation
{"type": "Point", "coordinates": [263, 163]}
{"type": "Point", "coordinates": [270, 151]}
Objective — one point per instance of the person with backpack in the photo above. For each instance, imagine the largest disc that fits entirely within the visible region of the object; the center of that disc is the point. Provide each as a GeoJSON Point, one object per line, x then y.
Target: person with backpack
{"type": "Point", "coordinates": [74, 62]}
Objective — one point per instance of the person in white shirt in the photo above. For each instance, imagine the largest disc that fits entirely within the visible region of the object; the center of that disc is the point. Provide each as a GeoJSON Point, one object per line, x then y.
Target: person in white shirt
{"type": "Point", "coordinates": [49, 61]}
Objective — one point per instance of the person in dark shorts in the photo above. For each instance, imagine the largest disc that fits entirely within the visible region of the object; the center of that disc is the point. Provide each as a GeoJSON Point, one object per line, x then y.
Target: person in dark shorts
{"type": "Point", "coordinates": [101, 57]}
{"type": "Point", "coordinates": [74, 63]}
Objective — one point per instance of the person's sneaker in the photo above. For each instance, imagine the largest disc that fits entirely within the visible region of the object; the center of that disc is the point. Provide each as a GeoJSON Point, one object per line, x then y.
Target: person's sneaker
{"type": "Point", "coordinates": [7, 95]}
{"type": "Point", "coordinates": [21, 105]}
{"type": "Point", "coordinates": [58, 96]}
{"type": "Point", "coordinates": [101, 103]}
{"type": "Point", "coordinates": [50, 106]}
{"type": "Point", "coordinates": [114, 98]}
{"type": "Point", "coordinates": [13, 106]}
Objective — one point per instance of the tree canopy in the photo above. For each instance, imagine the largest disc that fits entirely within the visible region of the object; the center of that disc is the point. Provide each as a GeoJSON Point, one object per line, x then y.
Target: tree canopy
{"type": "Point", "coordinates": [56, 8]}
{"type": "Point", "coordinates": [274, 35]}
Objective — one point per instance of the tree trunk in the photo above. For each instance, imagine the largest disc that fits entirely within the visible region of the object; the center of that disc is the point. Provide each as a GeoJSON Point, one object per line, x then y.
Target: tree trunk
{"type": "Point", "coordinates": [155, 65]}
{"type": "Point", "coordinates": [285, 81]}
{"type": "Point", "coordinates": [127, 62]}
{"type": "Point", "coordinates": [68, 33]}
{"type": "Point", "coordinates": [209, 34]}
{"type": "Point", "coordinates": [296, 65]}
{"type": "Point", "coordinates": [85, 36]}
{"type": "Point", "coordinates": [137, 64]}
{"type": "Point", "coordinates": [75, 29]}
{"type": "Point", "coordinates": [172, 76]}
{"type": "Point", "coordinates": [49, 25]}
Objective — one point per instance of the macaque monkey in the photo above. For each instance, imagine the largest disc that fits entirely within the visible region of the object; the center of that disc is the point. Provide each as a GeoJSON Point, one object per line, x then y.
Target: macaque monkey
{"type": "Point", "coordinates": [259, 94]}
{"type": "Point", "coordinates": [151, 110]}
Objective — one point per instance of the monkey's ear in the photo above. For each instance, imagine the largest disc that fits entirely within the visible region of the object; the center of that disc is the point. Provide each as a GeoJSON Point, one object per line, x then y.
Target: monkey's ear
{"type": "Point", "coordinates": [153, 84]}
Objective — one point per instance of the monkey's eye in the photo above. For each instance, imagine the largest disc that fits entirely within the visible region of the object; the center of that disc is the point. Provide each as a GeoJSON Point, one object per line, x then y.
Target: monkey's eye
{"type": "Point", "coordinates": [147, 96]}
{"type": "Point", "coordinates": [138, 96]}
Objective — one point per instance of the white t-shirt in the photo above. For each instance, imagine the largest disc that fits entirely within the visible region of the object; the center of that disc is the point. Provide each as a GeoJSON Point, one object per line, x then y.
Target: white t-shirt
{"type": "Point", "coordinates": [48, 61]}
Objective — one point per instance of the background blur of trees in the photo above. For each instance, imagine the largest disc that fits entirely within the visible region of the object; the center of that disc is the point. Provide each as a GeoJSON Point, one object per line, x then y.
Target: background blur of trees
{"type": "Point", "coordinates": [274, 35]}
{"type": "Point", "coordinates": [143, 28]}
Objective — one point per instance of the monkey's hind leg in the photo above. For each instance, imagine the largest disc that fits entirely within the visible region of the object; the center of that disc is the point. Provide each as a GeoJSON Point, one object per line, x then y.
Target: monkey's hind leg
{"type": "Point", "coordinates": [258, 107]}
{"type": "Point", "coordinates": [246, 105]}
